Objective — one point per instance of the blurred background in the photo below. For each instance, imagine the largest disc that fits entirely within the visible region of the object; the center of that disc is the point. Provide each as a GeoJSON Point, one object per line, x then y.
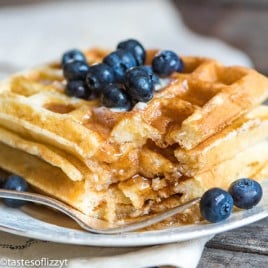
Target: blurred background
{"type": "Point", "coordinates": [241, 23]}
{"type": "Point", "coordinates": [35, 31]}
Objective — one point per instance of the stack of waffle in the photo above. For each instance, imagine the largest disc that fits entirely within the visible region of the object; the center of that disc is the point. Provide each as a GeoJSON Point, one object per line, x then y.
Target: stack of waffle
{"type": "Point", "coordinates": [206, 128]}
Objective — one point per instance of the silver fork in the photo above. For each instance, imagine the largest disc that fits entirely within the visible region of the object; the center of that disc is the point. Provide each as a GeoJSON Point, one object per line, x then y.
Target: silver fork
{"type": "Point", "coordinates": [91, 224]}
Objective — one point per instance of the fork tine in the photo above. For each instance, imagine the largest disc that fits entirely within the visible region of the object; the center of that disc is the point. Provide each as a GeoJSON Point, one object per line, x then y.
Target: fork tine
{"type": "Point", "coordinates": [91, 224]}
{"type": "Point", "coordinates": [152, 220]}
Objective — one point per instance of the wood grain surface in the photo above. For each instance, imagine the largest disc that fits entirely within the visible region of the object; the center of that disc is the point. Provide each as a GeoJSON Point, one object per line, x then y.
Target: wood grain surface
{"type": "Point", "coordinates": [243, 247]}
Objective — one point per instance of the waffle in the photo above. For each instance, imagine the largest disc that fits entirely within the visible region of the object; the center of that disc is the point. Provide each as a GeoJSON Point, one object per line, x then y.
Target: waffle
{"type": "Point", "coordinates": [137, 196]}
{"type": "Point", "coordinates": [114, 165]}
{"type": "Point", "coordinates": [33, 104]}
{"type": "Point", "coordinates": [248, 129]}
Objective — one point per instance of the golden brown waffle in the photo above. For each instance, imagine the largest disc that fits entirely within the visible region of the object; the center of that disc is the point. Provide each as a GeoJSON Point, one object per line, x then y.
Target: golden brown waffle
{"type": "Point", "coordinates": [248, 129]}
{"type": "Point", "coordinates": [114, 165]}
{"type": "Point", "coordinates": [195, 105]}
{"type": "Point", "coordinates": [137, 196]}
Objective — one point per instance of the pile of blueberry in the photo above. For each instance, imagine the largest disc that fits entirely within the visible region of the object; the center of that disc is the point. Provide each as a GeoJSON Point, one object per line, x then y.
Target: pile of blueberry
{"type": "Point", "coordinates": [216, 204]}
{"type": "Point", "coordinates": [121, 79]}
{"type": "Point", "coordinates": [15, 183]}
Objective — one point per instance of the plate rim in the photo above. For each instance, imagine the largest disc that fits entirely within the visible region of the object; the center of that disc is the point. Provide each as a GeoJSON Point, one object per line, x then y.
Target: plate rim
{"type": "Point", "coordinates": [148, 238]}
{"type": "Point", "coordinates": [45, 231]}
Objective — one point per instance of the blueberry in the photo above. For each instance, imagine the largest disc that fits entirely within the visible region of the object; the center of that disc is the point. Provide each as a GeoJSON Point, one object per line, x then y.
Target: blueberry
{"type": "Point", "coordinates": [77, 89]}
{"type": "Point", "coordinates": [135, 48]}
{"type": "Point", "coordinates": [151, 73]}
{"type": "Point", "coordinates": [99, 76]}
{"type": "Point", "coordinates": [114, 96]}
{"type": "Point", "coordinates": [15, 183]}
{"type": "Point", "coordinates": [246, 193]}
{"type": "Point", "coordinates": [72, 55]}
{"type": "Point", "coordinates": [166, 62]}
{"type": "Point", "coordinates": [139, 85]}
{"type": "Point", "coordinates": [216, 205]}
{"type": "Point", "coordinates": [75, 70]}
{"type": "Point", "coordinates": [120, 61]}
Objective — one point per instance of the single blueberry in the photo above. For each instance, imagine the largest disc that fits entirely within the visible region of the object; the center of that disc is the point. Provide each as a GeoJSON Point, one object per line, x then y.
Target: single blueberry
{"type": "Point", "coordinates": [114, 96]}
{"type": "Point", "coordinates": [77, 89]}
{"type": "Point", "coordinates": [216, 205]}
{"type": "Point", "coordinates": [166, 62]}
{"type": "Point", "coordinates": [120, 61]}
{"type": "Point", "coordinates": [75, 70]}
{"type": "Point", "coordinates": [99, 76]}
{"type": "Point", "coordinates": [246, 193]}
{"type": "Point", "coordinates": [15, 183]}
{"type": "Point", "coordinates": [151, 73]}
{"type": "Point", "coordinates": [136, 48]}
{"type": "Point", "coordinates": [72, 55]}
{"type": "Point", "coordinates": [139, 85]}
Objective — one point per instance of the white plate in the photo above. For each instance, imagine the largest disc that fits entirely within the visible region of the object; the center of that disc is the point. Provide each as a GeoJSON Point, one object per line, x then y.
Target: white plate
{"type": "Point", "coordinates": [22, 223]}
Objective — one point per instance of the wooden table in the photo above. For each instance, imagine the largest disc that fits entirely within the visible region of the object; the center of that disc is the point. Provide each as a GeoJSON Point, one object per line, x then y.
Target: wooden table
{"type": "Point", "coordinates": [244, 247]}
{"type": "Point", "coordinates": [243, 24]}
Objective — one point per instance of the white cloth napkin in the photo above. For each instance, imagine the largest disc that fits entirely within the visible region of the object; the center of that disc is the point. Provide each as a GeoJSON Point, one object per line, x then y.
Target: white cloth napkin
{"type": "Point", "coordinates": [32, 34]}
{"type": "Point", "coordinates": [14, 248]}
